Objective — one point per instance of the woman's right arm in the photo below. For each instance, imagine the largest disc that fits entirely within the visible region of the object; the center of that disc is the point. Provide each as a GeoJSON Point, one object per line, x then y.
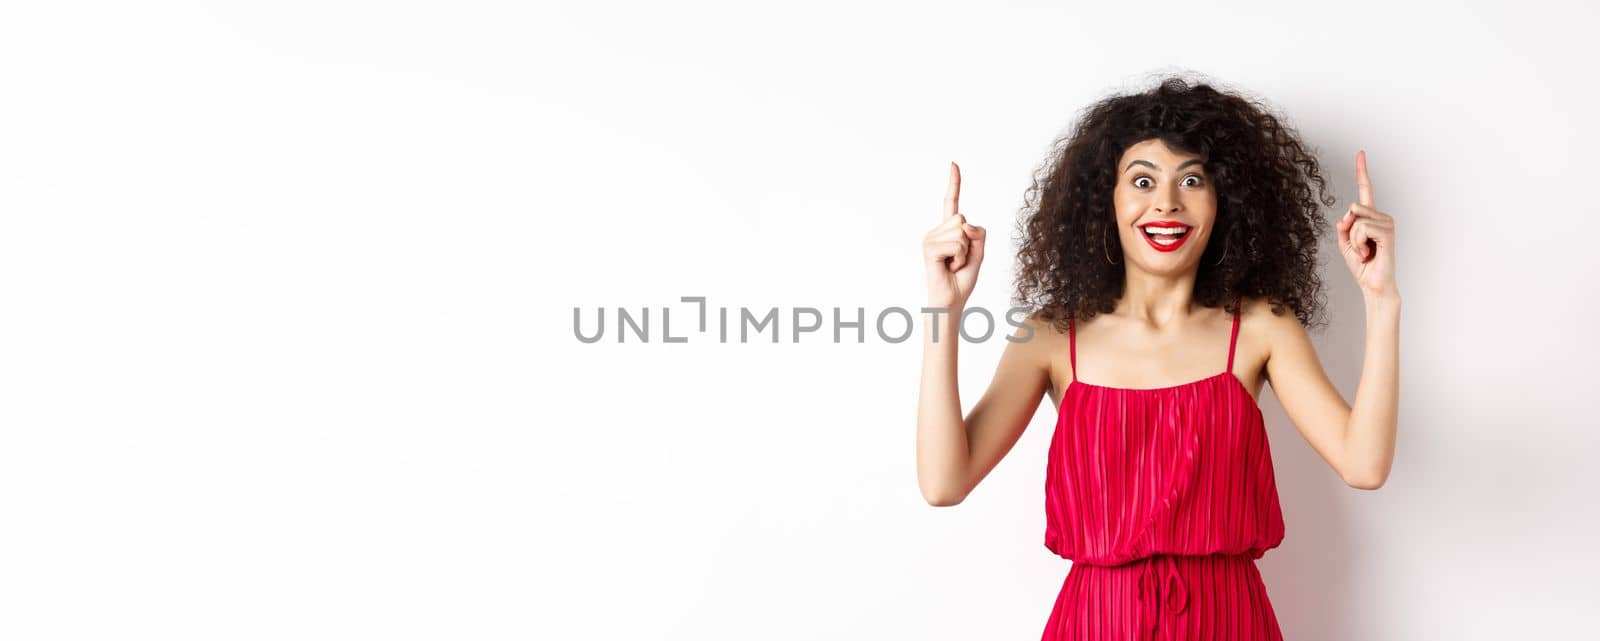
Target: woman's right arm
{"type": "Point", "coordinates": [953, 454]}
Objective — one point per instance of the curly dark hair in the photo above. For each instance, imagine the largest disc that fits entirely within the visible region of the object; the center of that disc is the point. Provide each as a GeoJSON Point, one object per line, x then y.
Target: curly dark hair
{"type": "Point", "coordinates": [1268, 220]}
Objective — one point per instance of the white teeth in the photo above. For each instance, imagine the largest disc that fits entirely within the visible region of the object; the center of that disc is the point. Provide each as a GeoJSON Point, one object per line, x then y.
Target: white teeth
{"type": "Point", "coordinates": [1171, 231]}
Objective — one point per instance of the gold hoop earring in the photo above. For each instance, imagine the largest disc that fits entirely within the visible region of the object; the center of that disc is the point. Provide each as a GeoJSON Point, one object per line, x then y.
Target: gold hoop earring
{"type": "Point", "coordinates": [1103, 245]}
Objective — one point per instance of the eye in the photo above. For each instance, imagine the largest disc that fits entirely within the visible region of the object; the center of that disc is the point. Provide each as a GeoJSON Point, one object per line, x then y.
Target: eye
{"type": "Point", "coordinates": [1191, 180]}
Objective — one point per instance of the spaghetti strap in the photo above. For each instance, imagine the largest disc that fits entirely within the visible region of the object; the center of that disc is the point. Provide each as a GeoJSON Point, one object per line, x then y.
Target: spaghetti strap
{"type": "Point", "coordinates": [1072, 347]}
{"type": "Point", "coordinates": [1234, 339]}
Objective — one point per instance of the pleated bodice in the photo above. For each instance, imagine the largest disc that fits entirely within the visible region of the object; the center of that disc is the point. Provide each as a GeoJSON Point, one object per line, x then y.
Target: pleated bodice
{"type": "Point", "coordinates": [1176, 470]}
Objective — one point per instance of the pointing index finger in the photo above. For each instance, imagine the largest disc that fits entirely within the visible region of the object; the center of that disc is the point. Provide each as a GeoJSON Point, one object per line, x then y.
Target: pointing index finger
{"type": "Point", "coordinates": [952, 195]}
{"type": "Point", "coordinates": [1363, 182]}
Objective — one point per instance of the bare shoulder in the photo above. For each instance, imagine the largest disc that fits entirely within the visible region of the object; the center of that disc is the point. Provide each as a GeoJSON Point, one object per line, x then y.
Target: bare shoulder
{"type": "Point", "coordinates": [1044, 345]}
{"type": "Point", "coordinates": [1034, 337]}
{"type": "Point", "coordinates": [1268, 329]}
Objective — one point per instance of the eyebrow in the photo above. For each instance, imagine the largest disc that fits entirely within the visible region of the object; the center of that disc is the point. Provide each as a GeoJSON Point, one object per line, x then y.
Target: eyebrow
{"type": "Point", "coordinates": [1152, 165]}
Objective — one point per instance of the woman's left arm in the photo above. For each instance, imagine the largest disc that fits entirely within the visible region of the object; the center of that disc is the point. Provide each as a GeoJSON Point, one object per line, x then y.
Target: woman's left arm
{"type": "Point", "coordinates": [1357, 442]}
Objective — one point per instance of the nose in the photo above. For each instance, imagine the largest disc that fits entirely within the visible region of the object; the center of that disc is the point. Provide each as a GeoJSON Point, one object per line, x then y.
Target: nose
{"type": "Point", "coordinates": [1167, 201]}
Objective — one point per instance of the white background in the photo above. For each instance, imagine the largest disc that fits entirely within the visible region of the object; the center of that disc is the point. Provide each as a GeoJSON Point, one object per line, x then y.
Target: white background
{"type": "Point", "coordinates": [286, 344]}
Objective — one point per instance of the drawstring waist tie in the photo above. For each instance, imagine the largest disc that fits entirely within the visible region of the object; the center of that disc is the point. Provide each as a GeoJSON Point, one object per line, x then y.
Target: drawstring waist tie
{"type": "Point", "coordinates": [1158, 577]}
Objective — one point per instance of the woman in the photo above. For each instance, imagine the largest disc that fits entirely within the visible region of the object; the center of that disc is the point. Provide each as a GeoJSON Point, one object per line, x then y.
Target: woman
{"type": "Point", "coordinates": [1164, 245]}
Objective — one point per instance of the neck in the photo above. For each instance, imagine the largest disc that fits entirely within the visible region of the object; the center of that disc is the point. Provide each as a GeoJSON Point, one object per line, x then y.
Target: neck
{"type": "Point", "coordinates": [1157, 300]}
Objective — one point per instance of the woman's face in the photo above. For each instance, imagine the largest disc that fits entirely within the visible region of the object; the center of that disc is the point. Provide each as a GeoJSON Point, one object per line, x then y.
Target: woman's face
{"type": "Point", "coordinates": [1158, 185]}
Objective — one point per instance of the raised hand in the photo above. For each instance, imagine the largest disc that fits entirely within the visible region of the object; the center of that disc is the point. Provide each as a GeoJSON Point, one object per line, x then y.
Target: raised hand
{"type": "Point", "coordinates": [1366, 239]}
{"type": "Point", "coordinates": [952, 251]}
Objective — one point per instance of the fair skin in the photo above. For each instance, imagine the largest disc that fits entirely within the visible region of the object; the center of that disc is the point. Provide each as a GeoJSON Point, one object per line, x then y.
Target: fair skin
{"type": "Point", "coordinates": [1157, 336]}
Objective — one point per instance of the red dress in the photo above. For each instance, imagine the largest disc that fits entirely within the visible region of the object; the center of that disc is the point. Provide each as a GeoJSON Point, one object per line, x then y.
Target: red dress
{"type": "Point", "coordinates": [1163, 499]}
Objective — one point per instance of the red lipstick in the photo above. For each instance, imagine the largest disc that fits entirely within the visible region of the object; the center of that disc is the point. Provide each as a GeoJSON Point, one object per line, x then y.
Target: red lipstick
{"type": "Point", "coordinates": [1164, 244]}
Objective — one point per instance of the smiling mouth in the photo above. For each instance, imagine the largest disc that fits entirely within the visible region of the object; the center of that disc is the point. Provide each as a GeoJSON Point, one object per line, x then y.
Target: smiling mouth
{"type": "Point", "coordinates": [1165, 236]}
